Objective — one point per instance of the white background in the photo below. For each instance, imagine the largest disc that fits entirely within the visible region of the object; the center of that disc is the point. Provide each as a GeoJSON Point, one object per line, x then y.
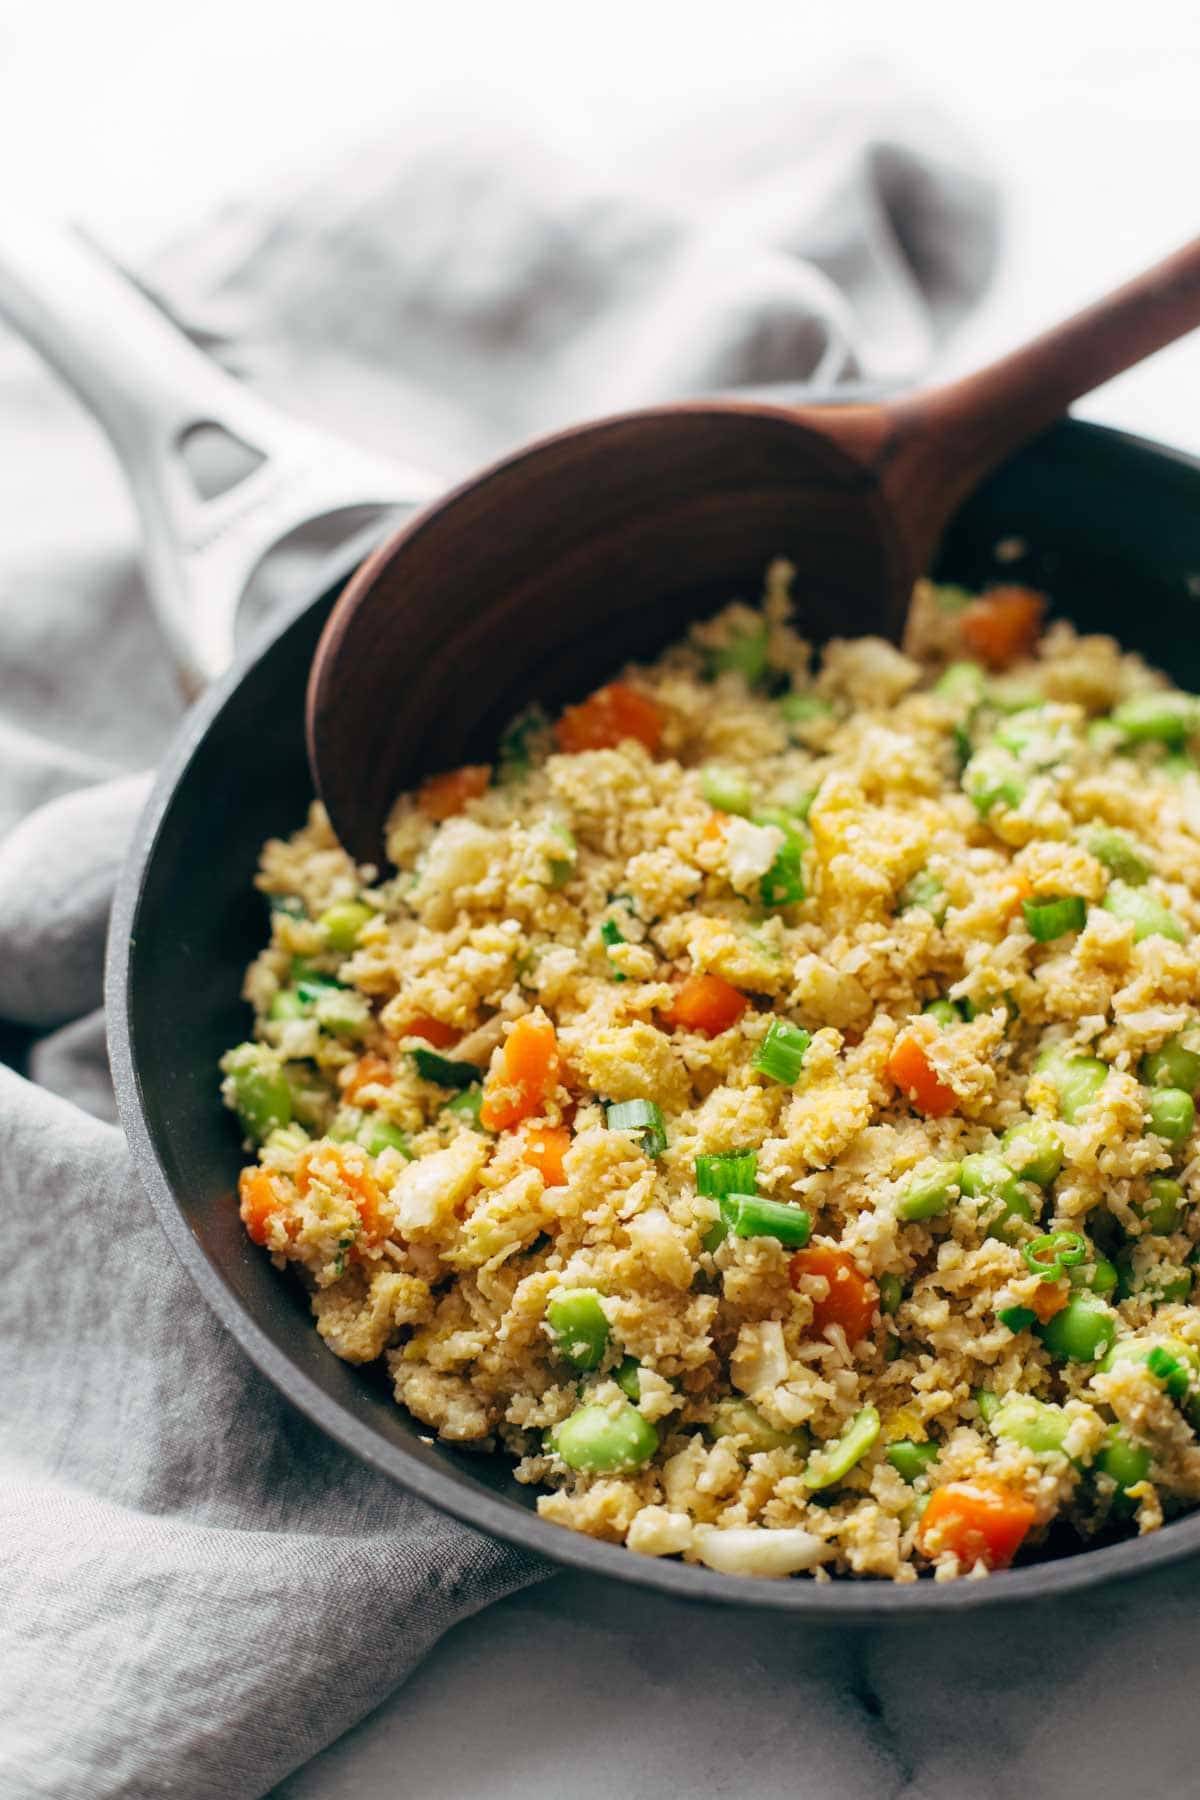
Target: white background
{"type": "Point", "coordinates": [137, 116]}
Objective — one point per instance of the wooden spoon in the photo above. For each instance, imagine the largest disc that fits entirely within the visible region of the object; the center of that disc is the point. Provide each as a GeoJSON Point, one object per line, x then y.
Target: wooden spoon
{"type": "Point", "coordinates": [540, 576]}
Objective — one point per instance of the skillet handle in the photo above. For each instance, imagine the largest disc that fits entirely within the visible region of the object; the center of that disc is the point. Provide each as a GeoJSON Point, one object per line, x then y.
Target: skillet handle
{"type": "Point", "coordinates": [219, 476]}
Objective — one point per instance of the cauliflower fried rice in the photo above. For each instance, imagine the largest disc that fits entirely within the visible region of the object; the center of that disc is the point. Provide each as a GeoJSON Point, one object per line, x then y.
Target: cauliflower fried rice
{"type": "Point", "coordinates": [762, 1103]}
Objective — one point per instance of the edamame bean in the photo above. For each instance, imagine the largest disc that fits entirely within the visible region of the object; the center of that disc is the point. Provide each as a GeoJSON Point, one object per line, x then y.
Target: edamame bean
{"type": "Point", "coordinates": [1033, 1151]}
{"type": "Point", "coordinates": [342, 1012]}
{"type": "Point", "coordinates": [1163, 1209]}
{"type": "Point", "coordinates": [627, 1378]}
{"type": "Point", "coordinates": [944, 1011]}
{"type": "Point", "coordinates": [726, 789]}
{"type": "Point", "coordinates": [1034, 1424]}
{"type": "Point", "coordinates": [604, 1440]}
{"type": "Point", "coordinates": [1077, 1079]}
{"type": "Point", "coordinates": [1173, 1065]}
{"type": "Point", "coordinates": [580, 1327]}
{"type": "Point", "coordinates": [1008, 1202]}
{"type": "Point", "coordinates": [1082, 1332]}
{"type": "Point", "coordinates": [805, 709]}
{"type": "Point", "coordinates": [377, 1135]}
{"type": "Point", "coordinates": [258, 1088]}
{"type": "Point", "coordinates": [1162, 717]}
{"type": "Point", "coordinates": [343, 923]}
{"type": "Point", "coordinates": [288, 1003]}
{"type": "Point", "coordinates": [1172, 1114]}
{"type": "Point", "coordinates": [1124, 1461]}
{"type": "Point", "coordinates": [961, 681]}
{"type": "Point", "coordinates": [910, 1460]}
{"type": "Point", "coordinates": [1174, 1365]}
{"type": "Point", "coordinates": [1099, 1276]}
{"type": "Point", "coordinates": [929, 1192]}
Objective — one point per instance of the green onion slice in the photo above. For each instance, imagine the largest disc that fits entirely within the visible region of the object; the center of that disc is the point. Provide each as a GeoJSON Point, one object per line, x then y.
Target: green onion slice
{"type": "Point", "coordinates": [988, 1403]}
{"type": "Point", "coordinates": [891, 1293]}
{"type": "Point", "coordinates": [836, 1459]}
{"type": "Point", "coordinates": [1167, 1368]}
{"type": "Point", "coordinates": [745, 653]}
{"type": "Point", "coordinates": [783, 883]}
{"type": "Point", "coordinates": [516, 749]}
{"type": "Point", "coordinates": [728, 1172]}
{"type": "Point", "coordinates": [1017, 1318]}
{"type": "Point", "coordinates": [802, 709]}
{"type": "Point", "coordinates": [1052, 1254]}
{"type": "Point", "coordinates": [781, 1053]}
{"type": "Point", "coordinates": [747, 1215]}
{"type": "Point", "coordinates": [444, 1070]}
{"type": "Point", "coordinates": [610, 934]}
{"type": "Point", "coordinates": [643, 1119]}
{"type": "Point", "coordinates": [467, 1105]}
{"type": "Point", "coordinates": [1047, 919]}
{"type": "Point", "coordinates": [1148, 916]}
{"type": "Point", "coordinates": [1118, 855]}
{"type": "Point", "coordinates": [926, 891]}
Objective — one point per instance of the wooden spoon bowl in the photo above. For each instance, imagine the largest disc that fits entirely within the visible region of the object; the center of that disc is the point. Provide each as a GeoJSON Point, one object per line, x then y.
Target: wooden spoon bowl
{"type": "Point", "coordinates": [543, 574]}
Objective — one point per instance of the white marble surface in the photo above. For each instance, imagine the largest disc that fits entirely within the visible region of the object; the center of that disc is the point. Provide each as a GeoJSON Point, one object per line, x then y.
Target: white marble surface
{"type": "Point", "coordinates": [135, 116]}
{"type": "Point", "coordinates": [577, 1689]}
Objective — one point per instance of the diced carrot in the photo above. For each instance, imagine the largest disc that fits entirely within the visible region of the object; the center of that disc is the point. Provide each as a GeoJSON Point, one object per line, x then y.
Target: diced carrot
{"type": "Point", "coordinates": [980, 1520]}
{"type": "Point", "coordinates": [706, 1003]}
{"type": "Point", "coordinates": [607, 717]}
{"type": "Point", "coordinates": [1048, 1298]}
{"type": "Point", "coordinates": [260, 1201]}
{"type": "Point", "coordinates": [522, 1074]}
{"type": "Point", "coordinates": [434, 1031]}
{"type": "Point", "coordinates": [363, 1073]}
{"type": "Point", "coordinates": [544, 1149]}
{"type": "Point", "coordinates": [345, 1165]}
{"type": "Point", "coordinates": [852, 1299]}
{"type": "Point", "coordinates": [1002, 625]}
{"type": "Point", "coordinates": [714, 830]}
{"type": "Point", "coordinates": [444, 795]}
{"type": "Point", "coordinates": [1017, 887]}
{"type": "Point", "coordinates": [912, 1072]}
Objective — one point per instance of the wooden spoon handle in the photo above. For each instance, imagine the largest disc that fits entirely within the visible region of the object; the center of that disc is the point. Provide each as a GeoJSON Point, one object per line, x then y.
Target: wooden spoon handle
{"type": "Point", "coordinates": [930, 450]}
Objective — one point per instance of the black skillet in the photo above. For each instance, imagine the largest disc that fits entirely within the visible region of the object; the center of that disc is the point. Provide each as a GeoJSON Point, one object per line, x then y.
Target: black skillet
{"type": "Point", "coordinates": [1107, 523]}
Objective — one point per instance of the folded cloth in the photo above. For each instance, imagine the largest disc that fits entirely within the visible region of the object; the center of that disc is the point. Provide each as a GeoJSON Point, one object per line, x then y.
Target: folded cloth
{"type": "Point", "coordinates": [196, 1590]}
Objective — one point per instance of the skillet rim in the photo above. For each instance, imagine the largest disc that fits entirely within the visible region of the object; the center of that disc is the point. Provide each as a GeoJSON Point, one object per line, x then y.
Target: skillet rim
{"type": "Point", "coordinates": [840, 1600]}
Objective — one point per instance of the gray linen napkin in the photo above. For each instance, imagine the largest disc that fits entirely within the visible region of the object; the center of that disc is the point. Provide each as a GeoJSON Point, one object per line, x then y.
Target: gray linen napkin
{"type": "Point", "coordinates": [196, 1590]}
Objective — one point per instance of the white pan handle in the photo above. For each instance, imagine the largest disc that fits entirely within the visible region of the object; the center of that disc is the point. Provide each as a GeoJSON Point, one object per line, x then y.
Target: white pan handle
{"type": "Point", "coordinates": [151, 390]}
